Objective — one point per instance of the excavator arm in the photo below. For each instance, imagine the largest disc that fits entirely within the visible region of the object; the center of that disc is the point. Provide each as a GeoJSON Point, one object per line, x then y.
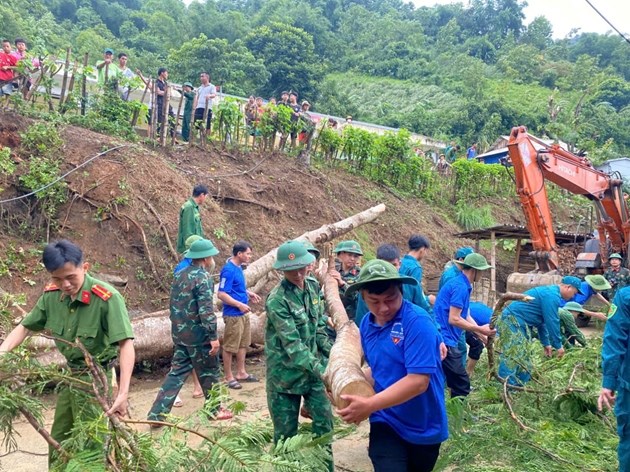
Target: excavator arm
{"type": "Point", "coordinates": [534, 162]}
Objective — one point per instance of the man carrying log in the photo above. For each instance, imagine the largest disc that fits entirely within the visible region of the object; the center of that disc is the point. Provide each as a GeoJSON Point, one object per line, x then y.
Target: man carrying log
{"type": "Point", "coordinates": [75, 305]}
{"type": "Point", "coordinates": [296, 346]}
{"type": "Point", "coordinates": [401, 343]}
{"type": "Point", "coordinates": [348, 254]}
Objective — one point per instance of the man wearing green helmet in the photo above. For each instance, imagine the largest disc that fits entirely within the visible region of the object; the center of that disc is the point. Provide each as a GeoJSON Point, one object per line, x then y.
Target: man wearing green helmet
{"type": "Point", "coordinates": [348, 254]}
{"type": "Point", "coordinates": [296, 346]}
{"type": "Point", "coordinates": [617, 276]}
{"type": "Point", "coordinates": [568, 329]}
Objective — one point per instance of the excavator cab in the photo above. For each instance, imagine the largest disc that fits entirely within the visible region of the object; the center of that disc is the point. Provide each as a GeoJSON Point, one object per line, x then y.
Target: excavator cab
{"type": "Point", "coordinates": [589, 261]}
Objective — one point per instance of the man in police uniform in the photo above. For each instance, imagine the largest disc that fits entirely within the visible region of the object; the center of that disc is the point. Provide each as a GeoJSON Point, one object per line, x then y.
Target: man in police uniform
{"type": "Point", "coordinates": [75, 305]}
{"type": "Point", "coordinates": [296, 346]}
{"type": "Point", "coordinates": [616, 372]}
{"type": "Point", "coordinates": [194, 331]}
{"type": "Point", "coordinates": [348, 254]}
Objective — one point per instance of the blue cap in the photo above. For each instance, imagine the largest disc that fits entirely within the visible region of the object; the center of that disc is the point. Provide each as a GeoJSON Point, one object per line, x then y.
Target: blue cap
{"type": "Point", "coordinates": [462, 252]}
{"type": "Point", "coordinates": [109, 51]}
{"type": "Point", "coordinates": [573, 282]}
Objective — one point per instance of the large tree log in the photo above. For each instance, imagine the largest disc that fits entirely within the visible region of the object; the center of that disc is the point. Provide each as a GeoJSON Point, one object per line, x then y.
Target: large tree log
{"type": "Point", "coordinates": [152, 333]}
{"type": "Point", "coordinates": [260, 267]}
{"type": "Point", "coordinates": [343, 375]}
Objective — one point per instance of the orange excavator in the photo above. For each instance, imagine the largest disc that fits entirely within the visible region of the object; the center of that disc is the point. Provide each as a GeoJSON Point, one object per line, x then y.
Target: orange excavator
{"type": "Point", "coordinates": [534, 162]}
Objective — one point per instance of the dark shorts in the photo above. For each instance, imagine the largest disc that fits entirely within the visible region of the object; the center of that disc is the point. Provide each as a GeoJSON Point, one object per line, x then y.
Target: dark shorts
{"type": "Point", "coordinates": [456, 377]}
{"type": "Point", "coordinates": [391, 453]}
{"type": "Point", "coordinates": [199, 117]}
{"type": "Point", "coordinates": [475, 346]}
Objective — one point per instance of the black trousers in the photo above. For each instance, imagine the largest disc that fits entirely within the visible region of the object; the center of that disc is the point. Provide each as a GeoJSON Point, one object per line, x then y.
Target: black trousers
{"type": "Point", "coordinates": [456, 377]}
{"type": "Point", "coordinates": [391, 453]}
{"type": "Point", "coordinates": [475, 346]}
{"type": "Point", "coordinates": [199, 118]}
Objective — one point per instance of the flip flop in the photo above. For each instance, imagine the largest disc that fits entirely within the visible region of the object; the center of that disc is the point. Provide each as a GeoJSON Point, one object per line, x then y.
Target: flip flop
{"type": "Point", "coordinates": [198, 395]}
{"type": "Point", "coordinates": [234, 384]}
{"type": "Point", "coordinates": [178, 402]}
{"type": "Point", "coordinates": [249, 378]}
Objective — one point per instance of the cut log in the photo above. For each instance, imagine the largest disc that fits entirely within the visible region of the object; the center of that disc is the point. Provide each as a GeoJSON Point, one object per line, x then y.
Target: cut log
{"type": "Point", "coordinates": [152, 333]}
{"type": "Point", "coordinates": [343, 375]}
{"type": "Point", "coordinates": [260, 267]}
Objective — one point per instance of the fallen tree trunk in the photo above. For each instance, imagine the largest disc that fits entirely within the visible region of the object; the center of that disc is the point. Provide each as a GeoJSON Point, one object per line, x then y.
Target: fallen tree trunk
{"type": "Point", "coordinates": [343, 375]}
{"type": "Point", "coordinates": [152, 333]}
{"type": "Point", "coordinates": [260, 267]}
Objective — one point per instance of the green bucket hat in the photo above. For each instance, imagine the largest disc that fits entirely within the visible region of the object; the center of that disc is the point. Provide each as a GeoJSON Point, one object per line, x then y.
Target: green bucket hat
{"type": "Point", "coordinates": [201, 249]}
{"type": "Point", "coordinates": [312, 249]}
{"type": "Point", "coordinates": [293, 255]}
{"type": "Point", "coordinates": [378, 270]}
{"type": "Point", "coordinates": [187, 84]}
{"type": "Point", "coordinates": [191, 239]}
{"type": "Point", "coordinates": [598, 282]}
{"type": "Point", "coordinates": [615, 255]}
{"type": "Point", "coordinates": [474, 261]}
{"type": "Point", "coordinates": [348, 246]}
{"type": "Point", "coordinates": [573, 306]}
{"type": "Point", "coordinates": [573, 282]}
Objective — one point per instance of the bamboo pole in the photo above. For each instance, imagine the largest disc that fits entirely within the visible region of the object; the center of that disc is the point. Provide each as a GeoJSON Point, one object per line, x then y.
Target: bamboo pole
{"type": "Point", "coordinates": [493, 262]}
{"type": "Point", "coordinates": [203, 125]}
{"type": "Point", "coordinates": [179, 110]}
{"type": "Point", "coordinates": [71, 85]}
{"type": "Point", "coordinates": [165, 105]}
{"type": "Point", "coordinates": [84, 84]}
{"type": "Point", "coordinates": [154, 110]}
{"type": "Point", "coordinates": [136, 113]}
{"type": "Point", "coordinates": [64, 81]}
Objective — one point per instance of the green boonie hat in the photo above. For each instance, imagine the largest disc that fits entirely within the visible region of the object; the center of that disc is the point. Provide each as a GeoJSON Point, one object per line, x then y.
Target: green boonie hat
{"type": "Point", "coordinates": [201, 249]}
{"type": "Point", "coordinates": [573, 306]}
{"type": "Point", "coordinates": [598, 282]}
{"type": "Point", "coordinates": [573, 282]}
{"type": "Point", "coordinates": [312, 249]}
{"type": "Point", "coordinates": [615, 255]}
{"type": "Point", "coordinates": [378, 270]}
{"type": "Point", "coordinates": [475, 261]}
{"type": "Point", "coordinates": [348, 246]}
{"type": "Point", "coordinates": [187, 84]}
{"type": "Point", "coordinates": [293, 255]}
{"type": "Point", "coordinates": [191, 239]}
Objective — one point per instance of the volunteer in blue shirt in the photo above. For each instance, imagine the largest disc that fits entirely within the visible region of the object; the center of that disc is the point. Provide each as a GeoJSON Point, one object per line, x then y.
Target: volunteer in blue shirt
{"type": "Point", "coordinates": [519, 318]}
{"type": "Point", "coordinates": [408, 420]}
{"type": "Point", "coordinates": [616, 372]}
{"type": "Point", "coordinates": [592, 286]}
{"type": "Point", "coordinates": [452, 314]}
{"type": "Point", "coordinates": [411, 264]}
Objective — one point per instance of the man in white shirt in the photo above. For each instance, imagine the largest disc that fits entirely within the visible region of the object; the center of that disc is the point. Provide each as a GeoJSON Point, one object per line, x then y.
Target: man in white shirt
{"type": "Point", "coordinates": [205, 94]}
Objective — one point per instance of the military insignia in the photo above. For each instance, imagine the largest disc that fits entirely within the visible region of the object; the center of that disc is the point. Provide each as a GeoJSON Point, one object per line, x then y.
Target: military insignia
{"type": "Point", "coordinates": [397, 333]}
{"type": "Point", "coordinates": [612, 310]}
{"type": "Point", "coordinates": [101, 292]}
{"type": "Point", "coordinates": [51, 287]}
{"type": "Point", "coordinates": [315, 301]}
{"type": "Point", "coordinates": [377, 270]}
{"type": "Point", "coordinates": [85, 296]}
{"type": "Point", "coordinates": [291, 256]}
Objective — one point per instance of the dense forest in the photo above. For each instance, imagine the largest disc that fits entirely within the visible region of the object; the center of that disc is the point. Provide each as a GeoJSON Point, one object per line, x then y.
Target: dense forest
{"type": "Point", "coordinates": [464, 72]}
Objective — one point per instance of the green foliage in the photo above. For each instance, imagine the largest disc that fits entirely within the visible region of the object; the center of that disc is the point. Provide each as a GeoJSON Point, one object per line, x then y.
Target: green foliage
{"type": "Point", "coordinates": [474, 180]}
{"type": "Point", "coordinates": [41, 139]}
{"type": "Point", "coordinates": [229, 119]}
{"type": "Point", "coordinates": [7, 166]}
{"type": "Point", "coordinates": [470, 217]}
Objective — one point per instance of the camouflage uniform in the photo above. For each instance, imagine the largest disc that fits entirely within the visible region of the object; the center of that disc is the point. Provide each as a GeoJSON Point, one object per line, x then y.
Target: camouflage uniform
{"type": "Point", "coordinates": [617, 279]}
{"type": "Point", "coordinates": [297, 348]}
{"type": "Point", "coordinates": [193, 327]}
{"type": "Point", "coordinates": [98, 317]}
{"type": "Point", "coordinates": [569, 330]}
{"type": "Point", "coordinates": [189, 223]}
{"type": "Point", "coordinates": [349, 277]}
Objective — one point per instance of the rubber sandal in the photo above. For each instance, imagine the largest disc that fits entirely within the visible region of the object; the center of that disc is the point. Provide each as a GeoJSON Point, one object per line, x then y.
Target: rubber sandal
{"type": "Point", "coordinates": [249, 378]}
{"type": "Point", "coordinates": [234, 384]}
{"type": "Point", "coordinates": [198, 395]}
{"type": "Point", "coordinates": [178, 402]}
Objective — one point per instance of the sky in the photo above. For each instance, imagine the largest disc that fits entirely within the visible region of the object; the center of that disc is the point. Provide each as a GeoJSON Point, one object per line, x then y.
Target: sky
{"type": "Point", "coordinates": [567, 14]}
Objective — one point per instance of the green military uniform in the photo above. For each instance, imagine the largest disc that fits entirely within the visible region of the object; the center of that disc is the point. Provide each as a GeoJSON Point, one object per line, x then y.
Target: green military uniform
{"type": "Point", "coordinates": [99, 318]}
{"type": "Point", "coordinates": [193, 327]}
{"type": "Point", "coordinates": [188, 109]}
{"type": "Point", "coordinates": [618, 279]}
{"type": "Point", "coordinates": [189, 223]}
{"type": "Point", "coordinates": [568, 329]}
{"type": "Point", "coordinates": [349, 276]}
{"type": "Point", "coordinates": [297, 348]}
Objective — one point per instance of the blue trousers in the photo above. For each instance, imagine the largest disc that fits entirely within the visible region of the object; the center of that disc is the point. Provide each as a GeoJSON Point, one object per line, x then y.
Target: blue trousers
{"type": "Point", "coordinates": [622, 410]}
{"type": "Point", "coordinates": [514, 364]}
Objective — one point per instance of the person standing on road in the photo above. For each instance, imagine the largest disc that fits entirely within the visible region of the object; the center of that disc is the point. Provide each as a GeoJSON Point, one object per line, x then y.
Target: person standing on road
{"type": "Point", "coordinates": [296, 346]}
{"type": "Point", "coordinates": [76, 306]}
{"type": "Point", "coordinates": [203, 101]}
{"type": "Point", "coordinates": [194, 331]}
{"type": "Point", "coordinates": [616, 372]}
{"type": "Point", "coordinates": [235, 297]}
{"type": "Point", "coordinates": [190, 218]}
{"type": "Point", "coordinates": [407, 415]}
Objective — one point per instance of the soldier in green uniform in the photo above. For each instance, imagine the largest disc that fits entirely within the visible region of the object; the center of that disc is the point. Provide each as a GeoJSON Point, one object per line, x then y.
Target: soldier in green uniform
{"type": "Point", "coordinates": [189, 94]}
{"type": "Point", "coordinates": [296, 346]}
{"type": "Point", "coordinates": [75, 305]}
{"type": "Point", "coordinates": [568, 329]}
{"type": "Point", "coordinates": [348, 254]}
{"type": "Point", "coordinates": [194, 331]}
{"type": "Point", "coordinates": [190, 218]}
{"type": "Point", "coordinates": [618, 277]}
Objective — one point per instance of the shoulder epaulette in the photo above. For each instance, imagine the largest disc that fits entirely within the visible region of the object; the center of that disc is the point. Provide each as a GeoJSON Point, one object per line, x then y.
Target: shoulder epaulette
{"type": "Point", "coordinates": [101, 292]}
{"type": "Point", "coordinates": [51, 287]}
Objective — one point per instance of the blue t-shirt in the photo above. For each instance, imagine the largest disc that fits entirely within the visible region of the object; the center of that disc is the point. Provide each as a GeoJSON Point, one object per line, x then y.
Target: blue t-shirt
{"type": "Point", "coordinates": [578, 297]}
{"type": "Point", "coordinates": [232, 282]}
{"type": "Point", "coordinates": [408, 344]}
{"type": "Point", "coordinates": [456, 292]}
{"type": "Point", "coordinates": [450, 271]}
{"type": "Point", "coordinates": [185, 262]}
{"type": "Point", "coordinates": [540, 313]}
{"type": "Point", "coordinates": [480, 312]}
{"type": "Point", "coordinates": [410, 266]}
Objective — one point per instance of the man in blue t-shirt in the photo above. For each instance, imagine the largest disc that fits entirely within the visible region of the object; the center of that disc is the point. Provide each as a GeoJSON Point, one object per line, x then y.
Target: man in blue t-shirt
{"type": "Point", "coordinates": [235, 297]}
{"type": "Point", "coordinates": [452, 314]}
{"type": "Point", "coordinates": [411, 264]}
{"type": "Point", "coordinates": [408, 420]}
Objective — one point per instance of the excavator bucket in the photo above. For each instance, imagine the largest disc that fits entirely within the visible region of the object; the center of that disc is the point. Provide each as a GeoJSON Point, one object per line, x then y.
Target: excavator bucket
{"type": "Point", "coordinates": [520, 283]}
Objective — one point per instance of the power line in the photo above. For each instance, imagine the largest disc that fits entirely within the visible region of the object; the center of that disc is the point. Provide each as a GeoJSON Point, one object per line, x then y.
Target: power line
{"type": "Point", "coordinates": [609, 23]}
{"type": "Point", "coordinates": [64, 175]}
